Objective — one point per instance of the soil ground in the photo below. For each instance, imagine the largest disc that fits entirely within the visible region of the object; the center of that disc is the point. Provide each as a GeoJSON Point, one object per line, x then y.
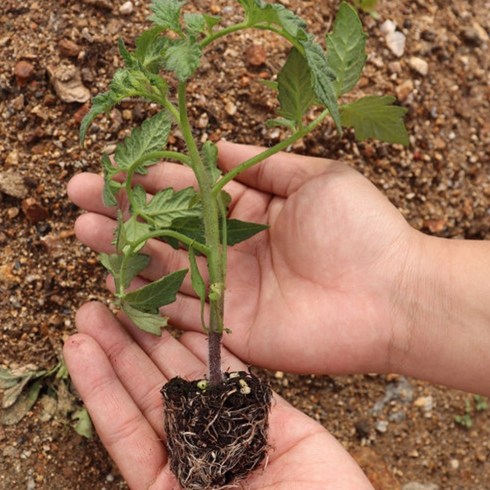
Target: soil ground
{"type": "Point", "coordinates": [400, 430]}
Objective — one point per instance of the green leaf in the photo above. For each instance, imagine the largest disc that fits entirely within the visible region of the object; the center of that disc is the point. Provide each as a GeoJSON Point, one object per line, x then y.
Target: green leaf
{"type": "Point", "coordinates": [148, 322]}
{"type": "Point", "coordinates": [211, 21]}
{"type": "Point", "coordinates": [195, 24]}
{"type": "Point", "coordinates": [346, 49]}
{"type": "Point", "coordinates": [368, 6]}
{"type": "Point", "coordinates": [111, 187]}
{"type": "Point", "coordinates": [138, 149]}
{"type": "Point", "coordinates": [322, 78]}
{"type": "Point", "coordinates": [9, 378]}
{"type": "Point", "coordinates": [125, 83]}
{"type": "Point", "coordinates": [133, 266]}
{"type": "Point", "coordinates": [259, 12]}
{"type": "Point", "coordinates": [156, 294]}
{"type": "Point", "coordinates": [129, 61]}
{"type": "Point", "coordinates": [271, 123]}
{"type": "Point", "coordinates": [237, 231]}
{"type": "Point", "coordinates": [166, 14]}
{"type": "Point", "coordinates": [83, 425]}
{"type": "Point", "coordinates": [166, 206]}
{"type": "Point", "coordinates": [150, 47]}
{"type": "Point", "coordinates": [183, 58]}
{"type": "Point", "coordinates": [127, 233]}
{"type": "Point", "coordinates": [295, 88]}
{"type": "Point", "coordinates": [374, 116]}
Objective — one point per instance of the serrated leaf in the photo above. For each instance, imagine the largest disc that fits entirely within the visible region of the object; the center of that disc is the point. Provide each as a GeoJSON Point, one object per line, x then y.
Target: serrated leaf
{"type": "Point", "coordinates": [83, 425]}
{"type": "Point", "coordinates": [133, 266]}
{"type": "Point", "coordinates": [323, 77]}
{"type": "Point", "coordinates": [156, 294]}
{"type": "Point", "coordinates": [125, 83]}
{"type": "Point", "coordinates": [295, 88]}
{"type": "Point", "coordinates": [166, 14]}
{"type": "Point", "coordinates": [167, 206]}
{"type": "Point", "coordinates": [149, 322]}
{"type": "Point", "coordinates": [150, 47]}
{"type": "Point", "coordinates": [138, 149]}
{"type": "Point", "coordinates": [375, 116]}
{"type": "Point", "coordinates": [259, 12]}
{"type": "Point", "coordinates": [346, 49]}
{"type": "Point", "coordinates": [111, 187]}
{"type": "Point", "coordinates": [194, 23]}
{"type": "Point", "coordinates": [183, 58]}
{"type": "Point", "coordinates": [129, 61]}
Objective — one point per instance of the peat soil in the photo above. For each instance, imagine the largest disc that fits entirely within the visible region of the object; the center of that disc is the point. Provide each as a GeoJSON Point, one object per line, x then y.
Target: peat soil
{"type": "Point", "coordinates": [401, 430]}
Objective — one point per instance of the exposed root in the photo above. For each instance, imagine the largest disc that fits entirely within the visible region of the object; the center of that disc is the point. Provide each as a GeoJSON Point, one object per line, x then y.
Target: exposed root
{"type": "Point", "coordinates": [216, 435]}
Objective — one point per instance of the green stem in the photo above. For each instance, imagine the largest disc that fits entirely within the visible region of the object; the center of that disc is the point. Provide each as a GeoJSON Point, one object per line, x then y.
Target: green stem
{"type": "Point", "coordinates": [223, 32]}
{"type": "Point", "coordinates": [190, 242]}
{"type": "Point", "coordinates": [267, 153]}
{"type": "Point", "coordinates": [215, 257]}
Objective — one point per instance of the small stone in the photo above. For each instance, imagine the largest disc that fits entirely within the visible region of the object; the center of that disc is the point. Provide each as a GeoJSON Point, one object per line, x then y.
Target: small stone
{"type": "Point", "coordinates": [404, 90]}
{"type": "Point", "coordinates": [396, 43]}
{"type": "Point", "coordinates": [34, 211]}
{"type": "Point", "coordinates": [454, 463]}
{"type": "Point", "coordinates": [23, 71]}
{"type": "Point", "coordinates": [419, 65]}
{"type": "Point", "coordinates": [203, 120]}
{"type": "Point", "coordinates": [12, 212]}
{"type": "Point", "coordinates": [69, 48]}
{"type": "Point", "coordinates": [426, 403]}
{"type": "Point", "coordinates": [67, 83]}
{"type": "Point", "coordinates": [126, 8]}
{"type": "Point", "coordinates": [256, 55]}
{"type": "Point", "coordinates": [435, 225]}
{"type": "Point", "coordinates": [387, 27]}
{"type": "Point", "coordinates": [12, 159]}
{"type": "Point", "coordinates": [13, 184]}
{"type": "Point", "coordinates": [18, 103]}
{"type": "Point", "coordinates": [381, 426]}
{"type": "Point", "coordinates": [475, 34]}
{"type": "Point", "coordinates": [230, 108]}
{"type": "Point", "coordinates": [31, 484]}
{"type": "Point", "coordinates": [414, 453]}
{"type": "Point", "coordinates": [127, 114]}
{"type": "Point", "coordinates": [481, 454]}
{"type": "Point", "coordinates": [414, 485]}
{"type": "Point", "coordinates": [279, 375]}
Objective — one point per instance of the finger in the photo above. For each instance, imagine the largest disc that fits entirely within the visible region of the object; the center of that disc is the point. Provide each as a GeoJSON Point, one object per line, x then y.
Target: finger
{"type": "Point", "coordinates": [168, 354]}
{"type": "Point", "coordinates": [131, 441]}
{"type": "Point", "coordinates": [136, 371]}
{"type": "Point", "coordinates": [282, 174]}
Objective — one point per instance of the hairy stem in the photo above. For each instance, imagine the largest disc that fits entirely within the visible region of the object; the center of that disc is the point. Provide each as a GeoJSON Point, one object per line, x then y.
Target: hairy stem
{"type": "Point", "coordinates": [215, 258]}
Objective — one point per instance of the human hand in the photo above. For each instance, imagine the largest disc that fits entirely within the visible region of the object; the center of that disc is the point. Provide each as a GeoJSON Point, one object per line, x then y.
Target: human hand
{"type": "Point", "coordinates": [317, 291]}
{"type": "Point", "coordinates": [119, 370]}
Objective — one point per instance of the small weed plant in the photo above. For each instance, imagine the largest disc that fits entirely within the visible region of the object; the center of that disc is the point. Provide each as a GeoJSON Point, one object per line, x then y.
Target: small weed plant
{"type": "Point", "coordinates": [313, 79]}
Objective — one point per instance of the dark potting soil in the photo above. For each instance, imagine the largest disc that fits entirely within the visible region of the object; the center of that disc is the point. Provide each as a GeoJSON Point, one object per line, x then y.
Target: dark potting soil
{"type": "Point", "coordinates": [216, 434]}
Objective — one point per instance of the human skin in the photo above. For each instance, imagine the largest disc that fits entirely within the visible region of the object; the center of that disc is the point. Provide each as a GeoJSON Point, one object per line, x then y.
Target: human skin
{"type": "Point", "coordinates": [340, 283]}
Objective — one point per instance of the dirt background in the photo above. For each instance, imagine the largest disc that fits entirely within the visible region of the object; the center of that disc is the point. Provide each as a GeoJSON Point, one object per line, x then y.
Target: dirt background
{"type": "Point", "coordinates": [401, 430]}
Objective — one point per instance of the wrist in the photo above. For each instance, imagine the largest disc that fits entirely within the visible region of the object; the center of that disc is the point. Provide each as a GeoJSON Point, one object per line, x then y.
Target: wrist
{"type": "Point", "coordinates": [441, 331]}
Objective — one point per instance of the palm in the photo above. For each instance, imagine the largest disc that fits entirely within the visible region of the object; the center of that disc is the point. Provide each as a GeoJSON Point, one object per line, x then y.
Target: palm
{"type": "Point", "coordinates": [323, 271]}
{"type": "Point", "coordinates": [125, 406]}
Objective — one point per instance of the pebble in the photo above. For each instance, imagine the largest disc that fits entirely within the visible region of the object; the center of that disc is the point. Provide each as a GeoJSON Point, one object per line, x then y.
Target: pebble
{"type": "Point", "coordinates": [34, 211]}
{"type": "Point", "coordinates": [67, 83]}
{"type": "Point", "coordinates": [126, 8]}
{"type": "Point", "coordinates": [475, 34]}
{"type": "Point", "coordinates": [23, 71]}
{"type": "Point", "coordinates": [426, 403]}
{"type": "Point", "coordinates": [454, 463]}
{"type": "Point", "coordinates": [31, 484]}
{"type": "Point", "coordinates": [13, 185]}
{"type": "Point", "coordinates": [256, 55]}
{"type": "Point", "coordinates": [419, 65]}
{"type": "Point", "coordinates": [18, 103]}
{"type": "Point", "coordinates": [414, 485]}
{"type": "Point", "coordinates": [396, 43]}
{"type": "Point", "coordinates": [381, 426]}
{"type": "Point", "coordinates": [230, 108]}
{"type": "Point", "coordinates": [404, 90]}
{"type": "Point", "coordinates": [69, 48]}
{"type": "Point", "coordinates": [12, 159]}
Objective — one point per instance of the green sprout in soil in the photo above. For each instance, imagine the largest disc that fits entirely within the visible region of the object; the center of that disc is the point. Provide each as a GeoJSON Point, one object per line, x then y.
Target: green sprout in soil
{"type": "Point", "coordinates": [166, 56]}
